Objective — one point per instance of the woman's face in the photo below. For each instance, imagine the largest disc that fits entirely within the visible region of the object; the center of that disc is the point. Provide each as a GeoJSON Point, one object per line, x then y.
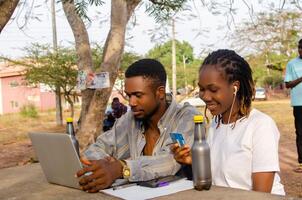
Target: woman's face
{"type": "Point", "coordinates": [215, 90]}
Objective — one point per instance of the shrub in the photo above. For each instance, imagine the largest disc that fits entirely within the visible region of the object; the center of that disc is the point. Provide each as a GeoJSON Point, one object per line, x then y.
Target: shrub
{"type": "Point", "coordinates": [29, 110]}
{"type": "Point", "coordinates": [273, 81]}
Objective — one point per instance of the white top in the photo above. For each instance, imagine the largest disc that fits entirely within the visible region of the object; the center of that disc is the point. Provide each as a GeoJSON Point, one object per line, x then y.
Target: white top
{"type": "Point", "coordinates": [252, 146]}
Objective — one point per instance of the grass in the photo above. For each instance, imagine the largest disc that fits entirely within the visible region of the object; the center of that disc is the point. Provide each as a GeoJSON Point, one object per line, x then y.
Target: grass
{"type": "Point", "coordinates": [14, 127]}
{"type": "Point", "coordinates": [279, 110]}
{"type": "Point", "coordinates": [282, 113]}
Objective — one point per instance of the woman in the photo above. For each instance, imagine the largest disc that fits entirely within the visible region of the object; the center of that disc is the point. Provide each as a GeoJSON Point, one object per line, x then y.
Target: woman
{"type": "Point", "coordinates": [243, 141]}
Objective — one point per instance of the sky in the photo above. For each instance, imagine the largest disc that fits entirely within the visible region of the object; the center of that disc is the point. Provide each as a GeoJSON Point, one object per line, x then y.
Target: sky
{"type": "Point", "coordinates": [212, 27]}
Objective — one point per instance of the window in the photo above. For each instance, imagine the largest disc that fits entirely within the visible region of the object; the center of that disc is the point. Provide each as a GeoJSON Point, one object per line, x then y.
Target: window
{"type": "Point", "coordinates": [14, 104]}
{"type": "Point", "coordinates": [14, 83]}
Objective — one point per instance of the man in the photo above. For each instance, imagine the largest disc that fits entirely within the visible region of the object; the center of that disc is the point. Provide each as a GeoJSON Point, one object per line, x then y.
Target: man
{"type": "Point", "coordinates": [137, 147]}
{"type": "Point", "coordinates": [118, 109]}
{"type": "Point", "coordinates": [293, 79]}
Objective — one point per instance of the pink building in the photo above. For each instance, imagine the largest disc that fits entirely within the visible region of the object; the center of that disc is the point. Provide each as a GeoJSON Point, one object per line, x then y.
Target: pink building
{"type": "Point", "coordinates": [15, 92]}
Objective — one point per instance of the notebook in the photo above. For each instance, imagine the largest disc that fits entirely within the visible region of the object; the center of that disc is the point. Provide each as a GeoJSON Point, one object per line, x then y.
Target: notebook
{"type": "Point", "coordinates": [58, 158]}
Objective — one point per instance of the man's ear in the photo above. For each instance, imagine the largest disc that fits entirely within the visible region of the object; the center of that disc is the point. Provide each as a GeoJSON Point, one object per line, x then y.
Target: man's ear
{"type": "Point", "coordinates": [161, 92]}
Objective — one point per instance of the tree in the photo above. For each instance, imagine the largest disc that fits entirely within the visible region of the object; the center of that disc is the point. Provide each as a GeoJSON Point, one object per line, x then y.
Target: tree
{"type": "Point", "coordinates": [270, 34]}
{"type": "Point", "coordinates": [127, 59]}
{"type": "Point", "coordinates": [95, 102]}
{"type": "Point", "coordinates": [184, 50]}
{"type": "Point", "coordinates": [7, 8]}
{"type": "Point", "coordinates": [272, 38]}
{"type": "Point", "coordinates": [163, 52]}
{"type": "Point", "coordinates": [54, 69]}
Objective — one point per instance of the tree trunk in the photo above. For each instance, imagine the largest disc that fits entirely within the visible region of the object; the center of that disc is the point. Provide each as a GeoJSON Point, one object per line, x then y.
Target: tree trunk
{"type": "Point", "coordinates": [71, 104]}
{"type": "Point", "coordinates": [59, 116]}
{"type": "Point", "coordinates": [7, 8]}
{"type": "Point", "coordinates": [83, 50]}
{"type": "Point", "coordinates": [91, 126]}
{"type": "Point", "coordinates": [94, 101]}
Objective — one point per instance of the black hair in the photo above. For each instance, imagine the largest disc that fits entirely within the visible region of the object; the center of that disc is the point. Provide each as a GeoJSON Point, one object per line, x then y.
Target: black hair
{"type": "Point", "coordinates": [150, 69]}
{"type": "Point", "coordinates": [235, 68]}
{"type": "Point", "coordinates": [116, 99]}
{"type": "Point", "coordinates": [300, 41]}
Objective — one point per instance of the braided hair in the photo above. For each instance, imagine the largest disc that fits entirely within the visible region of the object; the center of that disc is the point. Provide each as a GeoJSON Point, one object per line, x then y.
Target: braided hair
{"type": "Point", "coordinates": [235, 68]}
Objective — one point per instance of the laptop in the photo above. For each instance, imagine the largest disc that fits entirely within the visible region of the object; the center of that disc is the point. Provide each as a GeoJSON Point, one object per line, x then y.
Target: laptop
{"type": "Point", "coordinates": [58, 158]}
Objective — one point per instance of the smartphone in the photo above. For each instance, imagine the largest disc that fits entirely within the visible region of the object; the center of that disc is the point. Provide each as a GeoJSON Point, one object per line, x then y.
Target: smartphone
{"type": "Point", "coordinates": [159, 182]}
{"type": "Point", "coordinates": [177, 137]}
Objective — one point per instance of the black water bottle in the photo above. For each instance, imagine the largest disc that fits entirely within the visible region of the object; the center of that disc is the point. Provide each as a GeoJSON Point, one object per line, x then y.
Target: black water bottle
{"type": "Point", "coordinates": [201, 162]}
{"type": "Point", "coordinates": [70, 131]}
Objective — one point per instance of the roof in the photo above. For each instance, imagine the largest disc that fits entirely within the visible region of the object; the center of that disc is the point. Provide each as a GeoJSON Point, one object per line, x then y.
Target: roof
{"type": "Point", "coordinates": [9, 69]}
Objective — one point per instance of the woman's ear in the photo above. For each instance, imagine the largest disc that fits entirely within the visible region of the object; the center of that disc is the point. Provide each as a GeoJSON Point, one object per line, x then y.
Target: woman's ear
{"type": "Point", "coordinates": [236, 86]}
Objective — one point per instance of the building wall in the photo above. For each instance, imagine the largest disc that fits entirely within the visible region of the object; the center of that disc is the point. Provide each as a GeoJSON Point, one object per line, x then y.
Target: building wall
{"type": "Point", "coordinates": [1, 104]}
{"type": "Point", "coordinates": [48, 100]}
{"type": "Point", "coordinates": [15, 94]}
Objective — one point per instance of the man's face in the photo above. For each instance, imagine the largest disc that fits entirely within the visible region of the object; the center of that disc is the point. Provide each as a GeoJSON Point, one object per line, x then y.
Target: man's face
{"type": "Point", "coordinates": [115, 104]}
{"type": "Point", "coordinates": [300, 50]}
{"type": "Point", "coordinates": [143, 99]}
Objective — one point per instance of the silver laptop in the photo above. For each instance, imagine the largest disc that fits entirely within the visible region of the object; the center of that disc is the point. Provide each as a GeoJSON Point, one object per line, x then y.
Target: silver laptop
{"type": "Point", "coordinates": [58, 158]}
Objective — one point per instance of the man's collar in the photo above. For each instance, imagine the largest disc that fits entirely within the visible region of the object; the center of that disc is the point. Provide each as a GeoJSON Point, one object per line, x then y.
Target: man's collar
{"type": "Point", "coordinates": [172, 105]}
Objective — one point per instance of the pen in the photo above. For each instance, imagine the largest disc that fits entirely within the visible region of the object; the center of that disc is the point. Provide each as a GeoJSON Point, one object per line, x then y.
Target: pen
{"type": "Point", "coordinates": [162, 184]}
{"type": "Point", "coordinates": [123, 186]}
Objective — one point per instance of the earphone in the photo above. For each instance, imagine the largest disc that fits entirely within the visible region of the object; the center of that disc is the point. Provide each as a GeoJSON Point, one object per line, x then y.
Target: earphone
{"type": "Point", "coordinates": [234, 98]}
{"type": "Point", "coordinates": [235, 90]}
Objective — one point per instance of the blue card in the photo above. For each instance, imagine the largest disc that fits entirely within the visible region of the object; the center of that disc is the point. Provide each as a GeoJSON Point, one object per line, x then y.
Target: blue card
{"type": "Point", "coordinates": [177, 137]}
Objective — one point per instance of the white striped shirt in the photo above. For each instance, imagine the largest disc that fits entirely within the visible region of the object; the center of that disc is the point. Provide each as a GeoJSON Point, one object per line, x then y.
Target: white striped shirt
{"type": "Point", "coordinates": [126, 141]}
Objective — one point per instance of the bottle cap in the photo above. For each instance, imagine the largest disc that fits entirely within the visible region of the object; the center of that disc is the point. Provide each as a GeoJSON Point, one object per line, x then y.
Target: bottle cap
{"type": "Point", "coordinates": [69, 119]}
{"type": "Point", "coordinates": [198, 118]}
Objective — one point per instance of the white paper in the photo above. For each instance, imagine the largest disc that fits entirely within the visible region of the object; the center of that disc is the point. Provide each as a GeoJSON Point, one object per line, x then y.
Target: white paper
{"type": "Point", "coordinates": [138, 192]}
{"type": "Point", "coordinates": [100, 80]}
{"type": "Point", "coordinates": [92, 80]}
{"type": "Point", "coordinates": [81, 80]}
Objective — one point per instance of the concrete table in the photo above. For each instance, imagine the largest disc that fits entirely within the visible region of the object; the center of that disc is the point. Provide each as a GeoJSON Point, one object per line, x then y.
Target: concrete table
{"type": "Point", "coordinates": [28, 183]}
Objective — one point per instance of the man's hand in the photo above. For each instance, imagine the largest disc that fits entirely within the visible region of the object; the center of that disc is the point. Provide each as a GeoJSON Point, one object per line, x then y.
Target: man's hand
{"type": "Point", "coordinates": [103, 173]}
{"type": "Point", "coordinates": [293, 83]}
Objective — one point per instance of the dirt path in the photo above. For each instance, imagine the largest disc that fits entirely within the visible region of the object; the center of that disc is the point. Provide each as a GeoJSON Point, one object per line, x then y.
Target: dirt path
{"type": "Point", "coordinates": [288, 161]}
{"type": "Point", "coordinates": [14, 154]}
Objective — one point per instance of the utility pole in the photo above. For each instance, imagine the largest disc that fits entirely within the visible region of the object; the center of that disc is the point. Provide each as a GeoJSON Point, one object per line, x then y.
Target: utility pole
{"type": "Point", "coordinates": [59, 117]}
{"type": "Point", "coordinates": [173, 60]}
{"type": "Point", "coordinates": [54, 26]}
{"type": "Point", "coordinates": [184, 64]}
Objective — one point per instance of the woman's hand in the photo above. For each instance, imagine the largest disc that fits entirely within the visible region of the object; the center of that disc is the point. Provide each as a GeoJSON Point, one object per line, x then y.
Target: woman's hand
{"type": "Point", "coordinates": [182, 154]}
